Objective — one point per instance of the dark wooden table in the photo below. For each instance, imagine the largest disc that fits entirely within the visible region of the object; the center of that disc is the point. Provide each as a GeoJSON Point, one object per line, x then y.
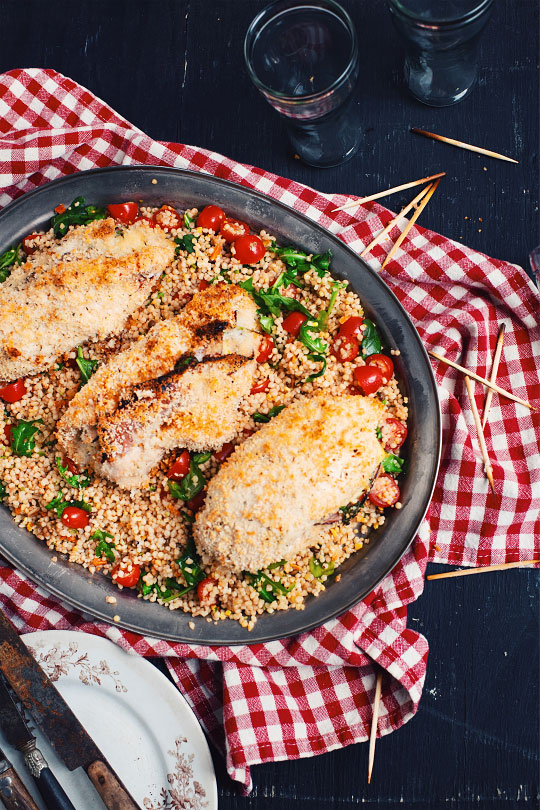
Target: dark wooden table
{"type": "Point", "coordinates": [175, 69]}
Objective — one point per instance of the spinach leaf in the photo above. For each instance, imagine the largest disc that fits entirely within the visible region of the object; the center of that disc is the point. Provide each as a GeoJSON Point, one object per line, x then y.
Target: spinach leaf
{"type": "Point", "coordinates": [8, 259]}
{"type": "Point", "coordinates": [319, 358]}
{"type": "Point", "coordinates": [59, 504]}
{"type": "Point", "coordinates": [86, 367]}
{"type": "Point", "coordinates": [378, 433]}
{"type": "Point", "coordinates": [272, 302]}
{"type": "Point", "coordinates": [315, 345]}
{"type": "Point", "coordinates": [78, 480]}
{"type": "Point", "coordinates": [266, 322]}
{"type": "Point", "coordinates": [270, 587]}
{"type": "Point", "coordinates": [351, 510]}
{"type": "Point", "coordinates": [318, 570]}
{"type": "Point", "coordinates": [371, 342]}
{"type": "Point", "coordinates": [172, 589]}
{"type": "Point", "coordinates": [393, 464]}
{"type": "Point", "coordinates": [3, 491]}
{"type": "Point", "coordinates": [322, 319]}
{"type": "Point", "coordinates": [265, 417]}
{"type": "Point", "coordinates": [103, 547]}
{"type": "Point", "coordinates": [185, 243]}
{"type": "Point", "coordinates": [298, 260]}
{"type": "Point", "coordinates": [193, 482]}
{"type": "Point", "coordinates": [78, 213]}
{"type": "Point", "coordinates": [189, 565]}
{"type": "Point", "coordinates": [22, 436]}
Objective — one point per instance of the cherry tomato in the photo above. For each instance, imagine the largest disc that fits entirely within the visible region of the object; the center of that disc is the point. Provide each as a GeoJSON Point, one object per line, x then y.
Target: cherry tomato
{"type": "Point", "coordinates": [195, 503]}
{"type": "Point", "coordinates": [223, 452]}
{"type": "Point", "coordinates": [203, 285]}
{"type": "Point", "coordinates": [204, 589]}
{"type": "Point", "coordinates": [72, 467]}
{"type": "Point", "coordinates": [368, 379]}
{"type": "Point", "coordinates": [259, 387]}
{"type": "Point", "coordinates": [345, 348]}
{"type": "Point", "coordinates": [168, 218]}
{"type": "Point", "coordinates": [27, 247]}
{"type": "Point", "coordinates": [7, 434]}
{"type": "Point", "coordinates": [14, 391]}
{"type": "Point", "coordinates": [211, 217]}
{"type": "Point", "coordinates": [352, 327]}
{"type": "Point", "coordinates": [231, 229]}
{"type": "Point", "coordinates": [249, 249]}
{"type": "Point", "coordinates": [266, 347]}
{"type": "Point", "coordinates": [180, 468]}
{"type": "Point", "coordinates": [126, 213]}
{"type": "Point", "coordinates": [74, 517]}
{"type": "Point", "coordinates": [394, 434]}
{"type": "Point", "coordinates": [384, 492]}
{"type": "Point", "coordinates": [384, 363]}
{"type": "Point", "coordinates": [126, 573]}
{"type": "Point", "coordinates": [293, 322]}
{"type": "Point", "coordinates": [148, 220]}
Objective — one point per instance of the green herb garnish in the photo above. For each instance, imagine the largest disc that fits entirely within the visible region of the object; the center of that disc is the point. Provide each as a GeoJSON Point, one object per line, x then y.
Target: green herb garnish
{"type": "Point", "coordinates": [7, 260]}
{"type": "Point", "coordinates": [393, 464]}
{"type": "Point", "coordinates": [266, 322]}
{"type": "Point", "coordinates": [77, 480]}
{"type": "Point", "coordinates": [265, 417]}
{"type": "Point", "coordinates": [78, 213]}
{"type": "Point", "coordinates": [86, 367]}
{"type": "Point", "coordinates": [318, 570]}
{"type": "Point", "coordinates": [3, 491]}
{"type": "Point", "coordinates": [189, 565]}
{"type": "Point", "coordinates": [371, 342]}
{"type": "Point", "coordinates": [103, 547]}
{"type": "Point", "coordinates": [322, 319]}
{"type": "Point", "coordinates": [318, 358]}
{"type": "Point", "coordinates": [22, 436]}
{"type": "Point", "coordinates": [351, 510]}
{"type": "Point", "coordinates": [185, 243]}
{"type": "Point", "coordinates": [315, 345]}
{"type": "Point", "coordinates": [59, 504]}
{"type": "Point", "coordinates": [270, 587]}
{"type": "Point", "coordinates": [188, 222]}
{"type": "Point", "coordinates": [193, 482]}
{"type": "Point", "coordinates": [378, 433]}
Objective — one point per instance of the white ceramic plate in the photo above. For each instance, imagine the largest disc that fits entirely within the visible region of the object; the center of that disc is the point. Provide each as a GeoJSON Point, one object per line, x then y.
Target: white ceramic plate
{"type": "Point", "coordinates": [138, 719]}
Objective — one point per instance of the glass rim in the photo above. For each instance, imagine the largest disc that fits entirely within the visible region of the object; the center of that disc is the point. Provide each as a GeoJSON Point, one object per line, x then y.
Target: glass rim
{"type": "Point", "coordinates": [266, 14]}
{"type": "Point", "coordinates": [469, 16]}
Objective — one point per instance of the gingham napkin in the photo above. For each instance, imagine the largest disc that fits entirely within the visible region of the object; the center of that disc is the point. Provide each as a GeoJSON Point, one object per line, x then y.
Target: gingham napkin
{"type": "Point", "coordinates": [313, 693]}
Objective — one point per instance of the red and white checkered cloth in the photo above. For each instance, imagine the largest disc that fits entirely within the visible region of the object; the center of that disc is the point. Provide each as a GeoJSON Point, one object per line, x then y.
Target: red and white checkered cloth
{"type": "Point", "coordinates": [313, 693]}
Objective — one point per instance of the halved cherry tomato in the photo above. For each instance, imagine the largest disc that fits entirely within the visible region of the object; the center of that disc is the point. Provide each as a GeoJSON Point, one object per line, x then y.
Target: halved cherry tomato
{"type": "Point", "coordinates": [75, 517]}
{"type": "Point", "coordinates": [211, 217]}
{"type": "Point", "coordinates": [384, 492]}
{"type": "Point", "coordinates": [384, 363]}
{"type": "Point", "coordinates": [204, 589]}
{"type": "Point", "coordinates": [203, 285]}
{"type": "Point", "coordinates": [195, 503]}
{"type": "Point", "coordinates": [231, 229]}
{"type": "Point", "coordinates": [126, 213]}
{"type": "Point", "coordinates": [148, 220]}
{"type": "Point", "coordinates": [352, 327]}
{"type": "Point", "coordinates": [223, 452]}
{"type": "Point", "coordinates": [259, 387]}
{"type": "Point", "coordinates": [27, 247]}
{"type": "Point", "coordinates": [14, 391]}
{"type": "Point", "coordinates": [368, 379]}
{"type": "Point", "coordinates": [168, 218]}
{"type": "Point", "coordinates": [266, 347]}
{"type": "Point", "coordinates": [7, 434]}
{"type": "Point", "coordinates": [126, 573]}
{"type": "Point", "coordinates": [293, 322]}
{"type": "Point", "coordinates": [344, 348]}
{"type": "Point", "coordinates": [394, 434]}
{"type": "Point", "coordinates": [72, 467]}
{"type": "Point", "coordinates": [249, 249]}
{"type": "Point", "coordinates": [180, 468]}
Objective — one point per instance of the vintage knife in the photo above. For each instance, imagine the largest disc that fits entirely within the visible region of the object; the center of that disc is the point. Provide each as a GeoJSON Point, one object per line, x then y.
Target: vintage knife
{"type": "Point", "coordinates": [52, 714]}
{"type": "Point", "coordinates": [19, 736]}
{"type": "Point", "coordinates": [13, 793]}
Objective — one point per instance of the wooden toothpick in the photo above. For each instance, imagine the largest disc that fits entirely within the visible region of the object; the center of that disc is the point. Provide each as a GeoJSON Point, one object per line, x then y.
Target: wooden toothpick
{"type": "Point", "coordinates": [463, 145]}
{"type": "Point", "coordinates": [481, 439]}
{"type": "Point", "coordinates": [404, 211]}
{"type": "Point", "coordinates": [403, 234]}
{"type": "Point", "coordinates": [494, 370]}
{"type": "Point", "coordinates": [463, 572]}
{"type": "Point", "coordinates": [390, 191]}
{"type": "Point", "coordinates": [374, 722]}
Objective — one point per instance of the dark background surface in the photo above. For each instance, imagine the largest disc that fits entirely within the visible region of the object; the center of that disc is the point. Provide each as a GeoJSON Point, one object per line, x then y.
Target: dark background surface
{"type": "Point", "coordinates": [175, 69]}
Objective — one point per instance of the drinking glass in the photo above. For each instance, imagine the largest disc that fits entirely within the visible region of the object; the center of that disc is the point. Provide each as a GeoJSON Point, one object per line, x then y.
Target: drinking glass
{"type": "Point", "coordinates": [441, 43]}
{"type": "Point", "coordinates": [303, 57]}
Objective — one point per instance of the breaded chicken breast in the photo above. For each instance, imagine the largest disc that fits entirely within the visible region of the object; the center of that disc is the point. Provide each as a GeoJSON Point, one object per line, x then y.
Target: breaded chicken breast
{"type": "Point", "coordinates": [83, 287]}
{"type": "Point", "coordinates": [315, 456]}
{"type": "Point", "coordinates": [140, 391]}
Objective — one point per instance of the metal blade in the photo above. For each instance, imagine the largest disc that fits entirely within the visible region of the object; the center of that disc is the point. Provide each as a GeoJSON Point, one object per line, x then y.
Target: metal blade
{"type": "Point", "coordinates": [12, 722]}
{"type": "Point", "coordinates": [46, 705]}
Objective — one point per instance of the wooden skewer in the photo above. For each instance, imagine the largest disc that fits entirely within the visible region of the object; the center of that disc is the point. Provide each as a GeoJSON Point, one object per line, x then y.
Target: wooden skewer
{"type": "Point", "coordinates": [494, 370]}
{"type": "Point", "coordinates": [374, 722]}
{"type": "Point", "coordinates": [390, 191]}
{"type": "Point", "coordinates": [408, 226]}
{"type": "Point", "coordinates": [463, 572]}
{"type": "Point", "coordinates": [463, 145]}
{"type": "Point", "coordinates": [481, 439]}
{"type": "Point", "coordinates": [404, 211]}
{"type": "Point", "coordinates": [487, 383]}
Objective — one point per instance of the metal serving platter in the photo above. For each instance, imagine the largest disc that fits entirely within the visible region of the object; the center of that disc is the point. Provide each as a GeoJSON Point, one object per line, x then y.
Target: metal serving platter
{"type": "Point", "coordinates": [365, 569]}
